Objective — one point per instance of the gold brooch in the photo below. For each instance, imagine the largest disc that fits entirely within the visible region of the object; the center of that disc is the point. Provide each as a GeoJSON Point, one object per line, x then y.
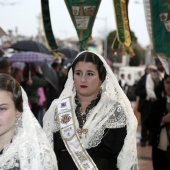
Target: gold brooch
{"type": "Point", "coordinates": [82, 131]}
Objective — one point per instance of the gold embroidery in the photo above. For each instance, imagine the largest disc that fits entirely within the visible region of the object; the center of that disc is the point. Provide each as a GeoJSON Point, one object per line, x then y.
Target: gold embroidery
{"type": "Point", "coordinates": [86, 166]}
{"type": "Point", "coordinates": [82, 131]}
{"type": "Point", "coordinates": [81, 156]}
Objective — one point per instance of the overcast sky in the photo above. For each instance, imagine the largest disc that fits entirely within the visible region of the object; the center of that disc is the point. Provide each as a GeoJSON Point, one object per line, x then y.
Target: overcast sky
{"type": "Point", "coordinates": [23, 15]}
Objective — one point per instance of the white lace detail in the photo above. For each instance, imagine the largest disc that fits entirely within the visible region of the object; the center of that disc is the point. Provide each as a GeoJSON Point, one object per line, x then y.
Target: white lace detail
{"type": "Point", "coordinates": [30, 148]}
{"type": "Point", "coordinates": [112, 111]}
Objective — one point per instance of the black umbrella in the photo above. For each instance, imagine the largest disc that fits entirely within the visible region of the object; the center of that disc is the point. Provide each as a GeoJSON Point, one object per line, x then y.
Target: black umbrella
{"type": "Point", "coordinates": [29, 45]}
{"type": "Point", "coordinates": [67, 61]}
{"type": "Point", "coordinates": [50, 75]}
{"type": "Point", "coordinates": [69, 52]}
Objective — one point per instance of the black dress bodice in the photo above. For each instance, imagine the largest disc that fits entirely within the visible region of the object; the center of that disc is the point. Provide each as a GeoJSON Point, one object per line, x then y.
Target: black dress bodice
{"type": "Point", "coordinates": [104, 154]}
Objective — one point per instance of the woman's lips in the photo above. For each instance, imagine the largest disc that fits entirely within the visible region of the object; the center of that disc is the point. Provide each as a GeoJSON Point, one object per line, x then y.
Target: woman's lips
{"type": "Point", "coordinates": [83, 86]}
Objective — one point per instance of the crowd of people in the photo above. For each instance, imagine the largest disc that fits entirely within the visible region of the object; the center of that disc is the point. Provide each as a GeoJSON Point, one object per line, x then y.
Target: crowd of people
{"type": "Point", "coordinates": [151, 93]}
{"type": "Point", "coordinates": [39, 90]}
{"type": "Point", "coordinates": [154, 92]}
{"type": "Point", "coordinates": [88, 123]}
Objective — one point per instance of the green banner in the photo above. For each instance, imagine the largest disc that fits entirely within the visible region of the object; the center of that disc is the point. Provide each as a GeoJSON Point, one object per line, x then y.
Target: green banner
{"type": "Point", "coordinates": [123, 36]}
{"type": "Point", "coordinates": [160, 16]}
{"type": "Point", "coordinates": [83, 14]}
{"type": "Point", "coordinates": [47, 27]}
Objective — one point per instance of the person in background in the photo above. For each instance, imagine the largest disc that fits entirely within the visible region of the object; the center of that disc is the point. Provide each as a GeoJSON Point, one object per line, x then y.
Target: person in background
{"type": "Point", "coordinates": [143, 104]}
{"type": "Point", "coordinates": [57, 68]}
{"type": "Point", "coordinates": [152, 81]}
{"type": "Point", "coordinates": [17, 71]}
{"type": "Point", "coordinates": [130, 90]}
{"type": "Point", "coordinates": [92, 125]}
{"type": "Point", "coordinates": [138, 76]}
{"type": "Point", "coordinates": [52, 89]}
{"type": "Point", "coordinates": [23, 143]}
{"type": "Point", "coordinates": [122, 82]}
{"type": "Point", "coordinates": [159, 123]}
{"type": "Point", "coordinates": [64, 71]}
{"type": "Point", "coordinates": [5, 66]}
{"type": "Point", "coordinates": [154, 86]}
{"type": "Point", "coordinates": [61, 72]}
{"type": "Point", "coordinates": [33, 79]}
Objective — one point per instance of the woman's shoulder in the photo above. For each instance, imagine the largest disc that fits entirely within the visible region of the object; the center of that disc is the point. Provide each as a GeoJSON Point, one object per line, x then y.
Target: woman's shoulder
{"type": "Point", "coordinates": [54, 103]}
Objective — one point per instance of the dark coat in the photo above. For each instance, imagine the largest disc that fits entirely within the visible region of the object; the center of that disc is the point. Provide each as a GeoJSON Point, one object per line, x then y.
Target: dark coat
{"type": "Point", "coordinates": [104, 154]}
{"type": "Point", "coordinates": [141, 92]}
{"type": "Point", "coordinates": [157, 111]}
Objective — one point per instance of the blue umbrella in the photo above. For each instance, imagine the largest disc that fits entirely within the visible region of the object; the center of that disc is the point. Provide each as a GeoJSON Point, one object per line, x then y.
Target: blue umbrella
{"type": "Point", "coordinates": [31, 57]}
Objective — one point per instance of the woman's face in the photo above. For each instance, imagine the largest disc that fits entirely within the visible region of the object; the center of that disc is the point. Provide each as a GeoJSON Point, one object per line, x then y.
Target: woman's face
{"type": "Point", "coordinates": [86, 79]}
{"type": "Point", "coordinates": [8, 114]}
{"type": "Point", "coordinates": [167, 85]}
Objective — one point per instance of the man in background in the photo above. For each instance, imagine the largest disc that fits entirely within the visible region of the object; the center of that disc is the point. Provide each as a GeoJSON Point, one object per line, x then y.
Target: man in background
{"type": "Point", "coordinates": [153, 81]}
{"type": "Point", "coordinates": [143, 104]}
{"type": "Point", "coordinates": [122, 81]}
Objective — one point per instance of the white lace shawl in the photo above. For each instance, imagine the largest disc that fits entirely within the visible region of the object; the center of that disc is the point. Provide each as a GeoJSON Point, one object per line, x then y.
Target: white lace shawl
{"type": "Point", "coordinates": [112, 111]}
{"type": "Point", "coordinates": [30, 146]}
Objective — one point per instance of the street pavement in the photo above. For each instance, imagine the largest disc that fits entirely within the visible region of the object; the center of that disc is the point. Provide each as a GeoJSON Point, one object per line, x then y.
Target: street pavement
{"type": "Point", "coordinates": [144, 154]}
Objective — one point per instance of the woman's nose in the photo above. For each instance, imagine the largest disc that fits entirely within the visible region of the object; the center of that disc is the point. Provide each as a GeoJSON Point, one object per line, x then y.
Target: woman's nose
{"type": "Point", "coordinates": [83, 78]}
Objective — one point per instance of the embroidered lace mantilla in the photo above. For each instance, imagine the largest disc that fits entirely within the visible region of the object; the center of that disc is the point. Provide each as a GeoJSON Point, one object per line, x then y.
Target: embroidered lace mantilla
{"type": "Point", "coordinates": [82, 118]}
{"type": "Point", "coordinates": [29, 149]}
{"type": "Point", "coordinates": [112, 111]}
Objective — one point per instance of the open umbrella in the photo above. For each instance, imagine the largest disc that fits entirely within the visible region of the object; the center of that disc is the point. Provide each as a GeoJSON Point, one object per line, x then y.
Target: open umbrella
{"type": "Point", "coordinates": [68, 52]}
{"type": "Point", "coordinates": [67, 61]}
{"type": "Point", "coordinates": [29, 45]}
{"type": "Point", "coordinates": [31, 57]}
{"type": "Point", "coordinates": [50, 75]}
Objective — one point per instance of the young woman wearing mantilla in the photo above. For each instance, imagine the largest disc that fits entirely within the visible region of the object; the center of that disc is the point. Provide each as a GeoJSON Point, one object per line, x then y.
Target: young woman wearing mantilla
{"type": "Point", "coordinates": [23, 143]}
{"type": "Point", "coordinates": [91, 125]}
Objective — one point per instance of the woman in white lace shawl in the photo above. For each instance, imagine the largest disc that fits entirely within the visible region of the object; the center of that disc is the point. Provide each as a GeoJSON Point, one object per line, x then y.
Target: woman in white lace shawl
{"type": "Point", "coordinates": [23, 143]}
{"type": "Point", "coordinates": [92, 125]}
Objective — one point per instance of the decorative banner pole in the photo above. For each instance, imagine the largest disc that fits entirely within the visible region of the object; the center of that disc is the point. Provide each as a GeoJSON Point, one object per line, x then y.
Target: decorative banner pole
{"type": "Point", "coordinates": [48, 28]}
{"type": "Point", "coordinates": [83, 14]}
{"type": "Point", "coordinates": [123, 37]}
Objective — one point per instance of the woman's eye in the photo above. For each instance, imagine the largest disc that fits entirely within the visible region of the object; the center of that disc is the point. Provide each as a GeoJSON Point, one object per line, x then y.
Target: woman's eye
{"type": "Point", "coordinates": [77, 73]}
{"type": "Point", "coordinates": [90, 74]}
{"type": "Point", "coordinates": [2, 108]}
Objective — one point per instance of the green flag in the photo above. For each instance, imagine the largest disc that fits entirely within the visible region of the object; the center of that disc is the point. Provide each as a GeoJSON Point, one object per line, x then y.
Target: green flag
{"type": "Point", "coordinates": [160, 21]}
{"type": "Point", "coordinates": [83, 14]}
{"type": "Point", "coordinates": [123, 36]}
